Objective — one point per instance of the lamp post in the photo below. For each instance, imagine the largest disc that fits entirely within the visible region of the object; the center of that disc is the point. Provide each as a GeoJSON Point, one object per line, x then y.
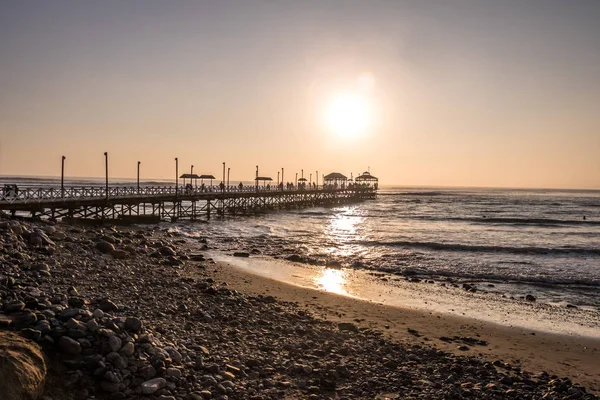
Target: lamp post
{"type": "Point", "coordinates": [138, 177]}
{"type": "Point", "coordinates": [296, 182]}
{"type": "Point", "coordinates": [192, 173]}
{"type": "Point", "coordinates": [278, 178]}
{"type": "Point", "coordinates": [256, 180]}
{"type": "Point", "coordinates": [310, 181]}
{"type": "Point", "coordinates": [317, 175]}
{"type": "Point", "coordinates": [176, 176]}
{"type": "Point", "coordinates": [106, 168]}
{"type": "Point", "coordinates": [281, 174]}
{"type": "Point", "coordinates": [223, 181]}
{"type": "Point", "coordinates": [62, 177]}
{"type": "Point", "coordinates": [228, 170]}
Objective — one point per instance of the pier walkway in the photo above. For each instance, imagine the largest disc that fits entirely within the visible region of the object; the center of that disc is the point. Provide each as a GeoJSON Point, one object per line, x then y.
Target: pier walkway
{"type": "Point", "coordinates": [152, 204]}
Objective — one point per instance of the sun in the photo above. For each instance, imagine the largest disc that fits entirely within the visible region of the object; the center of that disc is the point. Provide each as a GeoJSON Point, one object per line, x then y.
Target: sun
{"type": "Point", "coordinates": [348, 115]}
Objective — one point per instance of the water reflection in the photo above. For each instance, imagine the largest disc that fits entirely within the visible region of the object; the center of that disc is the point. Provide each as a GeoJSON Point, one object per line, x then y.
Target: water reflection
{"type": "Point", "coordinates": [332, 280]}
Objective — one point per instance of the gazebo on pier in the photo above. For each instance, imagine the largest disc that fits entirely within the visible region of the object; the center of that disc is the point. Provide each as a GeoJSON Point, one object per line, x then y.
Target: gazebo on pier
{"type": "Point", "coordinates": [335, 179]}
{"type": "Point", "coordinates": [263, 179]}
{"type": "Point", "coordinates": [367, 179]}
{"type": "Point", "coordinates": [190, 177]}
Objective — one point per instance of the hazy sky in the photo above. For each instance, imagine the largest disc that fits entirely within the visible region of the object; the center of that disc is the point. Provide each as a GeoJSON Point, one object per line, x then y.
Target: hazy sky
{"type": "Point", "coordinates": [469, 93]}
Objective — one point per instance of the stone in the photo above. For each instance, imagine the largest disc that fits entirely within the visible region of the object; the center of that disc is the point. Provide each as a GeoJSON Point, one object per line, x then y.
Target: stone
{"type": "Point", "coordinates": [127, 349]}
{"type": "Point", "coordinates": [147, 371]}
{"type": "Point", "coordinates": [120, 254]}
{"type": "Point", "coordinates": [109, 387]}
{"type": "Point", "coordinates": [107, 305]}
{"type": "Point", "coordinates": [13, 307]}
{"type": "Point", "coordinates": [75, 324]}
{"type": "Point", "coordinates": [22, 368]}
{"type": "Point", "coordinates": [69, 346]}
{"type": "Point", "coordinates": [24, 319]}
{"type": "Point", "coordinates": [529, 298]}
{"type": "Point", "coordinates": [92, 325]}
{"type": "Point", "coordinates": [133, 324]}
{"type": "Point", "coordinates": [241, 254]}
{"type": "Point", "coordinates": [174, 372]}
{"type": "Point", "coordinates": [167, 251]}
{"type": "Point", "coordinates": [105, 247]}
{"type": "Point", "coordinates": [114, 342]}
{"type": "Point", "coordinates": [153, 385]}
{"type": "Point", "coordinates": [31, 334]}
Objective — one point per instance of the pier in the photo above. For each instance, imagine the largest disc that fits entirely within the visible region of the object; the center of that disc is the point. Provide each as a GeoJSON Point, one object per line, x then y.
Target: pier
{"type": "Point", "coordinates": [153, 204]}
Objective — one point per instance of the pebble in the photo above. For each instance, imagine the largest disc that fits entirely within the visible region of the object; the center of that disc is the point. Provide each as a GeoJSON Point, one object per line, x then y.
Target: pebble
{"type": "Point", "coordinates": [153, 385]}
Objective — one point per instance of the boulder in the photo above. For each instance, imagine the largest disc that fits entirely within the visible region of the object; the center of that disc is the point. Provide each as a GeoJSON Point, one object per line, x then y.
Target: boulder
{"type": "Point", "coordinates": [22, 368]}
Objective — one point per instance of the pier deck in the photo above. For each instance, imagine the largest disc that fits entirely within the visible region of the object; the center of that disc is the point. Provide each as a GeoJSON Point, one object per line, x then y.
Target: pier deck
{"type": "Point", "coordinates": [158, 203]}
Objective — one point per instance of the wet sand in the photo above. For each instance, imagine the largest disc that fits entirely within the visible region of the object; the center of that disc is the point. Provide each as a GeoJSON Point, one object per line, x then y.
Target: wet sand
{"type": "Point", "coordinates": [575, 357]}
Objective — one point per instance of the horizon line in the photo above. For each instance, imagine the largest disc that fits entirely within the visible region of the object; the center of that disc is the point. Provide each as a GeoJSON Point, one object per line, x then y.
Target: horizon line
{"type": "Point", "coordinates": [380, 184]}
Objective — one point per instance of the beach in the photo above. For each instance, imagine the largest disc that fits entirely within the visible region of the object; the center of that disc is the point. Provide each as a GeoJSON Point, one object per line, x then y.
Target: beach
{"type": "Point", "coordinates": [147, 313]}
{"type": "Point", "coordinates": [531, 350]}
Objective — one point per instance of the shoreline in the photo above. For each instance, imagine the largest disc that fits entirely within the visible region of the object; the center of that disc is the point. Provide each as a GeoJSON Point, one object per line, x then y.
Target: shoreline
{"type": "Point", "coordinates": [531, 350]}
{"type": "Point", "coordinates": [141, 313]}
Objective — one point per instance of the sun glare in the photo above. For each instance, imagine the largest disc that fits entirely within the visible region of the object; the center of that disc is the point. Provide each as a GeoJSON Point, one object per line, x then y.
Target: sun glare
{"type": "Point", "coordinates": [348, 115]}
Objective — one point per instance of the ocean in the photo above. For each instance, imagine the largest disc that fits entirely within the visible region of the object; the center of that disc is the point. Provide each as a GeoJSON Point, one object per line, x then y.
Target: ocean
{"type": "Point", "coordinates": [505, 241]}
{"type": "Point", "coordinates": [513, 242]}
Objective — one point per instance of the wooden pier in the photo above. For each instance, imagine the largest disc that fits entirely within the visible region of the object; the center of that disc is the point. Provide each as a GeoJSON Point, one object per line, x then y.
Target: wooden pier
{"type": "Point", "coordinates": [152, 204]}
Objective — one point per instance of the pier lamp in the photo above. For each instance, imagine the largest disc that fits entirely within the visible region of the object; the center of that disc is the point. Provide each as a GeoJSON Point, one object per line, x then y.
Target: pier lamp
{"type": "Point", "coordinates": [317, 176]}
{"type": "Point", "coordinates": [228, 170]}
{"type": "Point", "coordinates": [62, 177]}
{"type": "Point", "coordinates": [296, 183]}
{"type": "Point", "coordinates": [176, 176]}
{"type": "Point", "coordinates": [138, 177]}
{"type": "Point", "coordinates": [223, 181]}
{"type": "Point", "coordinates": [106, 168]}
{"type": "Point", "coordinates": [278, 178]}
{"type": "Point", "coordinates": [281, 174]}
{"type": "Point", "coordinates": [310, 180]}
{"type": "Point", "coordinates": [256, 180]}
{"type": "Point", "coordinates": [302, 173]}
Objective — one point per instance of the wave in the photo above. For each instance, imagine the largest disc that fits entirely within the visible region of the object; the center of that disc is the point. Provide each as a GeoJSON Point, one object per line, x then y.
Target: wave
{"type": "Point", "coordinates": [483, 249]}
{"type": "Point", "coordinates": [530, 280]}
{"type": "Point", "coordinates": [527, 221]}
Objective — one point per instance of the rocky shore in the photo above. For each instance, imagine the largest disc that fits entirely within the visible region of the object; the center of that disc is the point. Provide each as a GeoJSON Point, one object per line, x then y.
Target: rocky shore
{"type": "Point", "coordinates": [133, 313]}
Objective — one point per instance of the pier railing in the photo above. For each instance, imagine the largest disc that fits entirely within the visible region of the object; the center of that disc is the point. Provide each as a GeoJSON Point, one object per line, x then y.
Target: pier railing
{"type": "Point", "coordinates": [37, 195]}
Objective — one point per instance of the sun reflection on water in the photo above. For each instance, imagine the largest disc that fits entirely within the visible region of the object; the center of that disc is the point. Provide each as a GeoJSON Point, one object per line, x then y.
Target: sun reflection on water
{"type": "Point", "coordinates": [332, 280]}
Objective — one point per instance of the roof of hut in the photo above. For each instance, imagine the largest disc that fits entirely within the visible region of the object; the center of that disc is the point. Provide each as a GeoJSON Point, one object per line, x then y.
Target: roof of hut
{"type": "Point", "coordinates": [366, 176]}
{"type": "Point", "coordinates": [334, 175]}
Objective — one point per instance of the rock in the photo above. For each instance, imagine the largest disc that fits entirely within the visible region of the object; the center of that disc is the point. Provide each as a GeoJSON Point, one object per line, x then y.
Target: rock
{"type": "Point", "coordinates": [69, 346]}
{"type": "Point", "coordinates": [120, 254]}
{"type": "Point", "coordinates": [241, 254]}
{"type": "Point", "coordinates": [31, 334]}
{"type": "Point", "coordinates": [13, 307]}
{"type": "Point", "coordinates": [107, 306]}
{"type": "Point", "coordinates": [529, 298]}
{"type": "Point", "coordinates": [174, 372]}
{"type": "Point", "coordinates": [22, 368]}
{"type": "Point", "coordinates": [153, 385]}
{"type": "Point", "coordinates": [105, 247]}
{"type": "Point", "coordinates": [347, 326]}
{"type": "Point", "coordinates": [390, 364]}
{"type": "Point", "coordinates": [24, 319]}
{"type": "Point", "coordinates": [75, 324]}
{"type": "Point", "coordinates": [133, 324]}
{"type": "Point", "coordinates": [114, 343]}
{"type": "Point", "coordinates": [110, 387]}
{"type": "Point", "coordinates": [128, 349]}
{"type": "Point", "coordinates": [167, 251]}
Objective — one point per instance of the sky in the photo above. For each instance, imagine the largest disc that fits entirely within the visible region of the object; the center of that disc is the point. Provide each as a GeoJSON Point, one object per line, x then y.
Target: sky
{"type": "Point", "coordinates": [450, 92]}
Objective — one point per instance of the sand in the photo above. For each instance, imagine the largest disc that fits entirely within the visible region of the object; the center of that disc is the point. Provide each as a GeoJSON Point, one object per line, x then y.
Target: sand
{"type": "Point", "coordinates": [575, 357]}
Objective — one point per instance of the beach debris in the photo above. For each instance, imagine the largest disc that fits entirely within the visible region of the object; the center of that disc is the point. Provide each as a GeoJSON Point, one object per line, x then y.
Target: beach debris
{"type": "Point", "coordinates": [241, 254]}
{"type": "Point", "coordinates": [529, 297]}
